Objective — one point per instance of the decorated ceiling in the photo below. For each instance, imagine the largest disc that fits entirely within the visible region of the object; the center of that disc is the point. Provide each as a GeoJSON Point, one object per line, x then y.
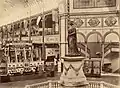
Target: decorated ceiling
{"type": "Point", "coordinates": [13, 10]}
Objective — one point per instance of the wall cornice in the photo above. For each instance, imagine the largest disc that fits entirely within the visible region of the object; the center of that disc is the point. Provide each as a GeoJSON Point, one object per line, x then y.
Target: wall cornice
{"type": "Point", "coordinates": [95, 13]}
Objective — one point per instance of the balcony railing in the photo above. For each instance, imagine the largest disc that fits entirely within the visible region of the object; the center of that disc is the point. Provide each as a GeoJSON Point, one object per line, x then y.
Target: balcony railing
{"type": "Point", "coordinates": [56, 84]}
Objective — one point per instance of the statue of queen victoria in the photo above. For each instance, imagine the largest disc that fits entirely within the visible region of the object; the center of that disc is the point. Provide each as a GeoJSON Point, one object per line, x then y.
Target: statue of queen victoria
{"type": "Point", "coordinates": [72, 41]}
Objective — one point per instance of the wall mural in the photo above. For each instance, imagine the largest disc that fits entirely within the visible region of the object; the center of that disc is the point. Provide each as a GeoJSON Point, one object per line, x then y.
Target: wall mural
{"type": "Point", "coordinates": [78, 4]}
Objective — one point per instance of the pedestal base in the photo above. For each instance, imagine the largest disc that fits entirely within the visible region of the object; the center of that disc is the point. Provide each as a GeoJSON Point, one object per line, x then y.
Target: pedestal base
{"type": "Point", "coordinates": [72, 72]}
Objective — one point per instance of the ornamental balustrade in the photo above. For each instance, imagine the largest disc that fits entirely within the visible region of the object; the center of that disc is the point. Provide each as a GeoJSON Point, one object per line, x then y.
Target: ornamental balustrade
{"type": "Point", "coordinates": [56, 84]}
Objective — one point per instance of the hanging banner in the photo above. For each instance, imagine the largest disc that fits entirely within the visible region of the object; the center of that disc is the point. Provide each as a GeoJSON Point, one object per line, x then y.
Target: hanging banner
{"type": "Point", "coordinates": [54, 16]}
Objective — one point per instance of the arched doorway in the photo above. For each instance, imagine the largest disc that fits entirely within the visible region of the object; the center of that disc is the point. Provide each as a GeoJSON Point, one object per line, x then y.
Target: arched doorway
{"type": "Point", "coordinates": [94, 43]}
{"type": "Point", "coordinates": [111, 41]}
{"type": "Point", "coordinates": [111, 37]}
{"type": "Point", "coordinates": [111, 50]}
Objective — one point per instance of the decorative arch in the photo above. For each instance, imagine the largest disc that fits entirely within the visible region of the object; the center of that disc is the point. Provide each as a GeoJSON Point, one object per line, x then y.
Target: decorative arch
{"type": "Point", "coordinates": [94, 32]}
{"type": "Point", "coordinates": [109, 32]}
{"type": "Point", "coordinates": [82, 35]}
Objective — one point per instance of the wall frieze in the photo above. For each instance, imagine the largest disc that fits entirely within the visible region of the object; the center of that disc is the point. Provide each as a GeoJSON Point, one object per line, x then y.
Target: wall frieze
{"type": "Point", "coordinates": [102, 21]}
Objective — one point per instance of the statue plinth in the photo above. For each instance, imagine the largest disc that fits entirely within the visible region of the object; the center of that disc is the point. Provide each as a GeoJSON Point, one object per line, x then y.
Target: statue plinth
{"type": "Point", "coordinates": [73, 75]}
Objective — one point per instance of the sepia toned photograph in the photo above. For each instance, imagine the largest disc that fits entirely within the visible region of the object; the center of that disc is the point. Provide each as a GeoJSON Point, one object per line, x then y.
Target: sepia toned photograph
{"type": "Point", "coordinates": [59, 43]}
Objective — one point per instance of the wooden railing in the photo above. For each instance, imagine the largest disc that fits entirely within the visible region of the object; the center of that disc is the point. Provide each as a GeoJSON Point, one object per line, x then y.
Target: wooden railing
{"type": "Point", "coordinates": [56, 84]}
{"type": "Point", "coordinates": [111, 45]}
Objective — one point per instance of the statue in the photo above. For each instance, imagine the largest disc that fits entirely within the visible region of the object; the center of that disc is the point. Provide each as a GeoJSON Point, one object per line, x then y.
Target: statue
{"type": "Point", "coordinates": [72, 41]}
{"type": "Point", "coordinates": [73, 75]}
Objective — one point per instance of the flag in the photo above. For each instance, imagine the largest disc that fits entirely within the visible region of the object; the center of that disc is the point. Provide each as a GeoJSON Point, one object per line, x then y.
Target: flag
{"type": "Point", "coordinates": [38, 20]}
{"type": "Point", "coordinates": [54, 16]}
{"type": "Point", "coordinates": [9, 28]}
{"type": "Point", "coordinates": [62, 6]}
{"type": "Point", "coordinates": [25, 25]}
{"type": "Point", "coordinates": [4, 29]}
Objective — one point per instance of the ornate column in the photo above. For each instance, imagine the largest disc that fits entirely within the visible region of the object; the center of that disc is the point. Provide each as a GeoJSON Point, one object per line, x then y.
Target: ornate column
{"type": "Point", "coordinates": [86, 49]}
{"type": "Point", "coordinates": [62, 31]}
{"type": "Point", "coordinates": [103, 54]}
{"type": "Point", "coordinates": [63, 36]}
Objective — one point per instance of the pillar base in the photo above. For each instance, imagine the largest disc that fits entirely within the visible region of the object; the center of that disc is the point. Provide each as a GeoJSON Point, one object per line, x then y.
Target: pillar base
{"type": "Point", "coordinates": [73, 75]}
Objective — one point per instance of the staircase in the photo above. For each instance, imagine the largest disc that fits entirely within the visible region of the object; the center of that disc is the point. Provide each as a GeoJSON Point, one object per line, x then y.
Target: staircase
{"type": "Point", "coordinates": [111, 51]}
{"type": "Point", "coordinates": [81, 48]}
{"type": "Point", "coordinates": [112, 47]}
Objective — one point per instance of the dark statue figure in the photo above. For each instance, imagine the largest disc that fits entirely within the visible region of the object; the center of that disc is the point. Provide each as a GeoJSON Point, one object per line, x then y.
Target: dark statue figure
{"type": "Point", "coordinates": [72, 41]}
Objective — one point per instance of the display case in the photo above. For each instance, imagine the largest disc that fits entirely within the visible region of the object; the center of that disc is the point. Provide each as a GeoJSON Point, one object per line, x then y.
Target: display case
{"type": "Point", "coordinates": [92, 68]}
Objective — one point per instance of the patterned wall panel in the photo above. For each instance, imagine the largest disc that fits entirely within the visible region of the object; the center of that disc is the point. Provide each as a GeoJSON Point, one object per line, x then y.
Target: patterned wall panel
{"type": "Point", "coordinates": [78, 22]}
{"type": "Point", "coordinates": [98, 22]}
{"type": "Point", "coordinates": [110, 21]}
{"type": "Point", "coordinates": [94, 22]}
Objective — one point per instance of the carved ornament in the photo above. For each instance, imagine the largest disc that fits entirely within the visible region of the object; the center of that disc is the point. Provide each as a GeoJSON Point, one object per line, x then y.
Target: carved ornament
{"type": "Point", "coordinates": [93, 22]}
{"type": "Point", "coordinates": [78, 22]}
{"type": "Point", "coordinates": [110, 21]}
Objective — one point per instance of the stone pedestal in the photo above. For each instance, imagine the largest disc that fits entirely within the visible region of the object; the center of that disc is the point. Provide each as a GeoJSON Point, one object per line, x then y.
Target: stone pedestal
{"type": "Point", "coordinates": [73, 75]}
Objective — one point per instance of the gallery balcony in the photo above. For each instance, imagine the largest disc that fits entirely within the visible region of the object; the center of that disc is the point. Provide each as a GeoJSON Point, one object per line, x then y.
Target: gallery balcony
{"type": "Point", "coordinates": [38, 39]}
